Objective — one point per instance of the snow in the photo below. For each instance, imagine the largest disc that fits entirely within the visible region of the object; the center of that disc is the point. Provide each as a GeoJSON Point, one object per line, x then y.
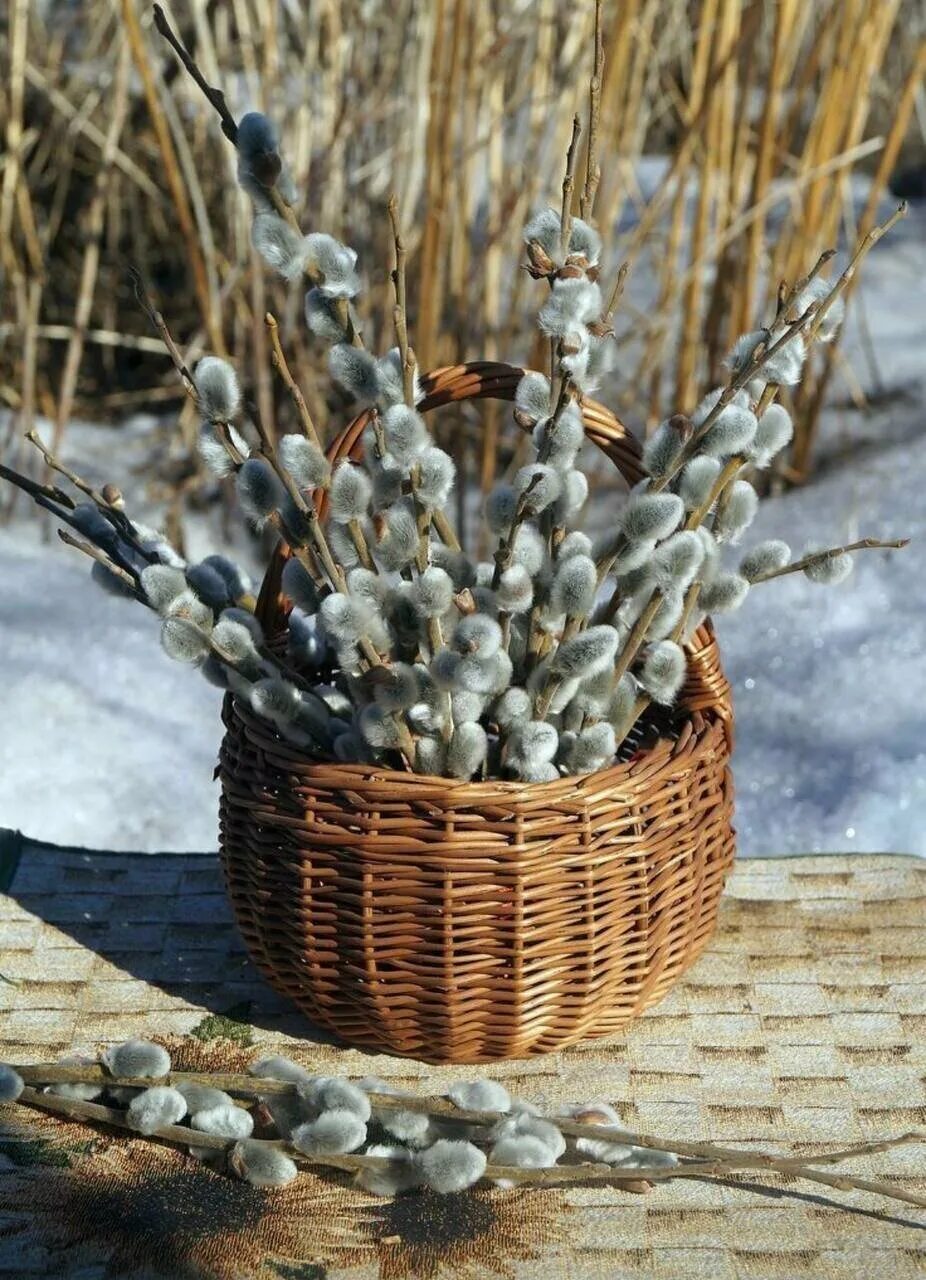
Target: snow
{"type": "Point", "coordinates": [108, 744]}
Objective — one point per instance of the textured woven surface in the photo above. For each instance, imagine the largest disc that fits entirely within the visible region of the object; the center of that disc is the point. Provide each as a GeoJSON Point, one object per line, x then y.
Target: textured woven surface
{"type": "Point", "coordinates": [467, 922]}
{"type": "Point", "coordinates": [803, 1023]}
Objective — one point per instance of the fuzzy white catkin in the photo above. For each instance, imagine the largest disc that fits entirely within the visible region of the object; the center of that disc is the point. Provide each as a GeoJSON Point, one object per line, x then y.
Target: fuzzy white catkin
{"type": "Point", "coordinates": [546, 228]}
{"type": "Point", "coordinates": [456, 563]}
{"type": "Point", "coordinates": [136, 1058]}
{"type": "Point", "coordinates": [334, 263]}
{"type": "Point", "coordinates": [662, 449]}
{"type": "Point", "coordinates": [500, 507]}
{"type": "Point", "coordinates": [574, 586]}
{"type": "Point", "coordinates": [259, 491]}
{"type": "Point", "coordinates": [430, 756]}
{"type": "Point", "coordinates": [432, 592]}
{"type": "Point", "coordinates": [521, 1151]}
{"type": "Point", "coordinates": [530, 548]}
{"type": "Point", "coordinates": [572, 499]}
{"type": "Point", "coordinates": [217, 390]}
{"type": "Point", "coordinates": [765, 558]}
{"type": "Point", "coordinates": [399, 687]}
{"type": "Point", "coordinates": [678, 560]}
{"type": "Point", "coordinates": [515, 590]}
{"type": "Point", "coordinates": [260, 1165]}
{"type": "Point", "coordinates": [343, 617]}
{"type": "Point", "coordinates": [445, 669]}
{"type": "Point", "coordinates": [536, 741]}
{"type": "Point", "coordinates": [11, 1084]}
{"type": "Point", "coordinates": [405, 433]}
{"type": "Point", "coordinates": [379, 728]}
{"type": "Point", "coordinates": [154, 1108]}
{"type": "Point", "coordinates": [324, 1093]}
{"type": "Point", "coordinates": [235, 642]}
{"type": "Point", "coordinates": [737, 512]}
{"type": "Point", "coordinates": [213, 453]}
{"type": "Point", "coordinates": [829, 569]}
{"type": "Point", "coordinates": [355, 370]}
{"type": "Point", "coordinates": [203, 1097]}
{"type": "Point", "coordinates": [663, 671]}
{"type": "Point", "coordinates": [512, 708]}
{"type": "Point", "coordinates": [774, 432]}
{"type": "Point", "coordinates": [558, 443]}
{"type": "Point", "coordinates": [724, 593]}
{"type": "Point", "coordinates": [304, 461]}
{"type": "Point", "coordinates": [467, 750]}
{"type": "Point", "coordinates": [436, 475]}
{"type": "Point", "coordinates": [731, 433]}
{"type": "Point", "coordinates": [399, 541]}
{"type": "Point", "coordinates": [334, 1132]}
{"type": "Point", "coordinates": [412, 1127]}
{"type": "Point", "coordinates": [350, 493]}
{"type": "Point", "coordinates": [392, 1178]}
{"type": "Point", "coordinates": [650, 516]}
{"type": "Point", "coordinates": [477, 634]}
{"type": "Point", "coordinates": [184, 641]}
{"type": "Point", "coordinates": [696, 481]}
{"type": "Point", "coordinates": [224, 1120]}
{"type": "Point", "coordinates": [280, 245]}
{"type": "Point", "coordinates": [449, 1166]}
{"type": "Point", "coordinates": [816, 291]}
{"type": "Point", "coordinates": [585, 241]}
{"type": "Point", "coordinates": [275, 700]}
{"type": "Point", "coordinates": [279, 1068]}
{"type": "Point", "coordinates": [622, 700]}
{"type": "Point", "coordinates": [480, 1095]}
{"type": "Point", "coordinates": [594, 748]}
{"type": "Point", "coordinates": [391, 380]}
{"type": "Point", "coordinates": [162, 584]}
{"type": "Point", "coordinates": [532, 396]}
{"type": "Point", "coordinates": [786, 364]}
{"type": "Point", "coordinates": [322, 318]}
{"type": "Point", "coordinates": [572, 303]}
{"type": "Point", "coordinates": [586, 654]}
{"type": "Point", "coordinates": [467, 707]}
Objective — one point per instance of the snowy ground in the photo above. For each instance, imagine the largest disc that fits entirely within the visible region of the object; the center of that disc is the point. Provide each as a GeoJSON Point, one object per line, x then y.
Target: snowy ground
{"type": "Point", "coordinates": [105, 743]}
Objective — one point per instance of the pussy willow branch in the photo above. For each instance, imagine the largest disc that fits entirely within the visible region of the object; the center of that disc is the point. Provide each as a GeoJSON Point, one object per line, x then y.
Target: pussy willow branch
{"type": "Point", "coordinates": [278, 359]}
{"type": "Point", "coordinates": [592, 168]}
{"type": "Point", "coordinates": [864, 544]}
{"type": "Point", "coordinates": [715, 1160]}
{"type": "Point", "coordinates": [102, 558]}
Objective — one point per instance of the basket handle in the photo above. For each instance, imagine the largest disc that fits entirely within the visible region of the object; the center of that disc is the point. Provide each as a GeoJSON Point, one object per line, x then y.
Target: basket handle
{"type": "Point", "coordinates": [492, 380]}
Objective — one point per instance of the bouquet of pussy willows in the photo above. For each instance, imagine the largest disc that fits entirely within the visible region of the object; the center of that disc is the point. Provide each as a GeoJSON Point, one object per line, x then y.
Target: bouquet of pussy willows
{"type": "Point", "coordinates": [533, 663]}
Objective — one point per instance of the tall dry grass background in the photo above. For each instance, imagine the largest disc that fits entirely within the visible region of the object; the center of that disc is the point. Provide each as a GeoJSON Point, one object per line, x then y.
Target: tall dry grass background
{"type": "Point", "coordinates": [757, 113]}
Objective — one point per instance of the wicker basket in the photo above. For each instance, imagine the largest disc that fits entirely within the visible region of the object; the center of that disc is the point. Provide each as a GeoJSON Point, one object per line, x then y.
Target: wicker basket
{"type": "Point", "coordinates": [468, 922]}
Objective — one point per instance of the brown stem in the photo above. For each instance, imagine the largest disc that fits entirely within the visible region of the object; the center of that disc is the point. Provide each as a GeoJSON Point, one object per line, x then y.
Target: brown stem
{"type": "Point", "coordinates": [568, 184]}
{"type": "Point", "coordinates": [592, 168]}
{"type": "Point", "coordinates": [864, 544]}
{"type": "Point", "coordinates": [278, 359]}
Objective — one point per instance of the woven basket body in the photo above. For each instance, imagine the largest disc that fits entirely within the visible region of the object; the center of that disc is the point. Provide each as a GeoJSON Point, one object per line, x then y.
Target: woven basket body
{"type": "Point", "coordinates": [468, 922]}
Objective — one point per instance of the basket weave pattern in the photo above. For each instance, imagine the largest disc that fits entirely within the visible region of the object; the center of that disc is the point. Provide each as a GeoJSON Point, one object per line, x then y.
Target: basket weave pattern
{"type": "Point", "coordinates": [468, 922]}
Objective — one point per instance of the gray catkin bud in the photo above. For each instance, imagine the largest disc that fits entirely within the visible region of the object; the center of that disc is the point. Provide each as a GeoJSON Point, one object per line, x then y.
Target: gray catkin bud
{"type": "Point", "coordinates": [515, 592]}
{"type": "Point", "coordinates": [574, 544]}
{"type": "Point", "coordinates": [355, 370]}
{"type": "Point", "coordinates": [136, 1058]}
{"type": "Point", "coordinates": [445, 669]}
{"type": "Point", "coordinates": [448, 1166]}
{"type": "Point", "coordinates": [532, 396]}
{"type": "Point", "coordinates": [559, 444]}
{"type": "Point", "coordinates": [214, 454]}
{"type": "Point", "coordinates": [663, 672]}
{"type": "Point", "coordinates": [162, 584]}
{"type": "Point", "coordinates": [432, 592]}
{"type": "Point", "coordinates": [391, 380]}
{"type": "Point", "coordinates": [732, 432]}
{"type": "Point", "coordinates": [236, 580]}
{"type": "Point", "coordinates": [622, 700]}
{"type": "Point", "coordinates": [217, 390]}
{"type": "Point", "coordinates": [710, 566]}
{"type": "Point", "coordinates": [430, 756]}
{"type": "Point", "coordinates": [299, 585]}
{"type": "Point", "coordinates": [275, 700]}
{"type": "Point", "coordinates": [322, 318]}
{"type": "Point", "coordinates": [546, 228]}
{"type": "Point", "coordinates": [467, 707]}
{"type": "Point", "coordinates": [234, 641]}
{"type": "Point", "coordinates": [486, 601]}
{"type": "Point", "coordinates": [190, 608]}
{"type": "Point", "coordinates": [477, 674]}
{"type": "Point", "coordinates": [334, 1132]}
{"type": "Point", "coordinates": [666, 616]}
{"type": "Point", "coordinates": [662, 449]}
{"type": "Point", "coordinates": [737, 512]}
{"type": "Point", "coordinates": [586, 654]}
{"type": "Point", "coordinates": [405, 433]}
{"type": "Point", "coordinates": [535, 742]}
{"type": "Point", "coordinates": [184, 641]}
{"type": "Point", "coordinates": [399, 689]}
{"type": "Point", "coordinates": [585, 240]}
{"type": "Point", "coordinates": [572, 304]}
{"type": "Point", "coordinates": [350, 493]}
{"type": "Point", "coordinates": [574, 586]}
{"type": "Point", "coordinates": [342, 545]}
{"type": "Point", "coordinates": [343, 617]}
{"type": "Point", "coordinates": [392, 1178]}
{"type": "Point", "coordinates": [480, 1095]}
{"type": "Point", "coordinates": [785, 365]}
{"type": "Point", "coordinates": [530, 548]}
{"type": "Point", "coordinates": [678, 560]}
{"type": "Point", "coordinates": [724, 593]}
{"type": "Point", "coordinates": [467, 750]}
{"type": "Point", "coordinates": [379, 728]}
{"type": "Point", "coordinates": [279, 1068]}
{"type": "Point", "coordinates": [765, 558]}
{"type": "Point", "coordinates": [436, 475]}
{"type": "Point", "coordinates": [279, 244]}
{"type": "Point", "coordinates": [539, 771]}
{"type": "Point", "coordinates": [304, 461]}
{"type": "Point", "coordinates": [774, 432]}
{"type": "Point", "coordinates": [225, 1120]}
{"type": "Point", "coordinates": [259, 491]}
{"type": "Point", "coordinates": [477, 634]}
{"type": "Point", "coordinates": [512, 708]}
{"type": "Point", "coordinates": [572, 499]}
{"type": "Point", "coordinates": [335, 263]}
{"type": "Point", "coordinates": [368, 586]}
{"type": "Point", "coordinates": [829, 569]}
{"type": "Point", "coordinates": [260, 1165]}
{"type": "Point", "coordinates": [203, 1097]}
{"type": "Point", "coordinates": [154, 1108]}
{"type": "Point", "coordinates": [521, 1151]}
{"type": "Point", "coordinates": [456, 563]}
{"type": "Point", "coordinates": [696, 481]}
{"type": "Point", "coordinates": [399, 541]}
{"type": "Point", "coordinates": [11, 1084]}
{"type": "Point", "coordinates": [650, 516]}
{"type": "Point", "coordinates": [500, 507]}
{"type": "Point", "coordinates": [208, 586]}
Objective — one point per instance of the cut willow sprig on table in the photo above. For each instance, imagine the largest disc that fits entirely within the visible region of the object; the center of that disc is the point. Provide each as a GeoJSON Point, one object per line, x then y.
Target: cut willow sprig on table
{"type": "Point", "coordinates": [450, 1128]}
